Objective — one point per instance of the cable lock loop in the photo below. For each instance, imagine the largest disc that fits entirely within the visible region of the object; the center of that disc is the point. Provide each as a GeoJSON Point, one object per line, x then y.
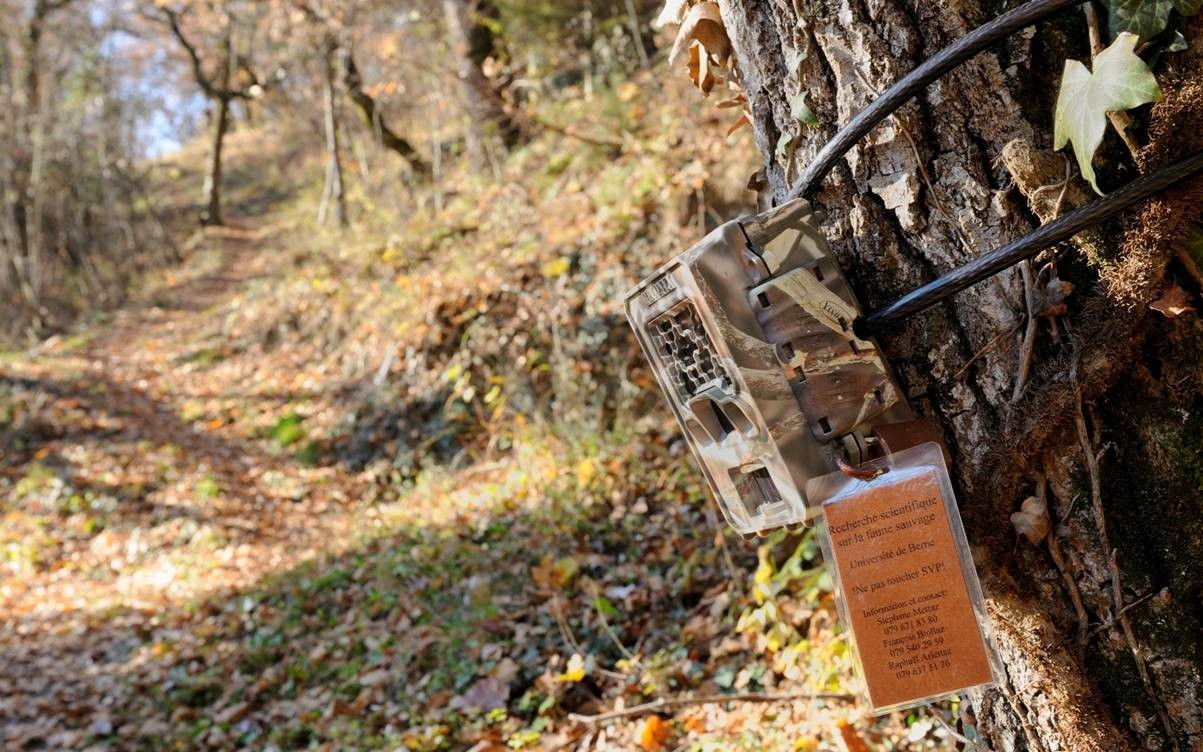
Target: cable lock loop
{"type": "Point", "coordinates": [991, 263]}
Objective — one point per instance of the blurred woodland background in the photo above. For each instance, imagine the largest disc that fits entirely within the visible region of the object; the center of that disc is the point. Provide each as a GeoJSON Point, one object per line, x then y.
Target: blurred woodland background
{"type": "Point", "coordinates": [321, 426]}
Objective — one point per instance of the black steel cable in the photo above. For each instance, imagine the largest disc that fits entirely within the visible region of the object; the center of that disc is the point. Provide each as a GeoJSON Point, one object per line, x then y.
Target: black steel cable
{"type": "Point", "coordinates": [911, 84]}
{"type": "Point", "coordinates": [1046, 236]}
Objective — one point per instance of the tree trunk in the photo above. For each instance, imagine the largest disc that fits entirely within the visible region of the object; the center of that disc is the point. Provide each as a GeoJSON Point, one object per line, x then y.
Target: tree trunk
{"type": "Point", "coordinates": [1100, 627]}
{"type": "Point", "coordinates": [221, 125]}
{"type": "Point", "coordinates": [487, 126]}
{"type": "Point", "coordinates": [334, 170]}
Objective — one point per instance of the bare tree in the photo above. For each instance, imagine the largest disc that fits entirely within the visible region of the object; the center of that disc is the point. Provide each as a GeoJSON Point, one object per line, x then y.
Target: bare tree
{"type": "Point", "coordinates": [23, 230]}
{"type": "Point", "coordinates": [218, 85]}
{"type": "Point", "coordinates": [338, 42]}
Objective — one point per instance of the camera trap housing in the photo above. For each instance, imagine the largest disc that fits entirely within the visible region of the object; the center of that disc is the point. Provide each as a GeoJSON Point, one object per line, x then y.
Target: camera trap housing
{"type": "Point", "coordinates": [749, 333]}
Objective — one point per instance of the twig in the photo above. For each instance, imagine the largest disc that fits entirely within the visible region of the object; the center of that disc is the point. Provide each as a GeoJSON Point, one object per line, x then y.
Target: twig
{"type": "Point", "coordinates": [606, 626]}
{"type": "Point", "coordinates": [1029, 335]}
{"type": "Point", "coordinates": [567, 130]}
{"type": "Point", "coordinates": [1031, 298]}
{"type": "Point", "coordinates": [985, 349]}
{"type": "Point", "coordinates": [675, 702]}
{"type": "Point", "coordinates": [562, 623]}
{"type": "Point", "coordinates": [1111, 622]}
{"type": "Point", "coordinates": [1119, 120]}
{"type": "Point", "coordinates": [952, 731]}
{"type": "Point", "coordinates": [721, 541]}
{"type": "Point", "coordinates": [1071, 585]}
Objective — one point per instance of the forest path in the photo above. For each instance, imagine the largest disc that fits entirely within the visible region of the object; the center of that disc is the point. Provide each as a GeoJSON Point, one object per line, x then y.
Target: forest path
{"type": "Point", "coordinates": [151, 403]}
{"type": "Point", "coordinates": [139, 487]}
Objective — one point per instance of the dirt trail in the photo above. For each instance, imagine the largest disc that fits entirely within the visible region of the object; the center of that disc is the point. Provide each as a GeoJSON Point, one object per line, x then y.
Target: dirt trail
{"type": "Point", "coordinates": [139, 374]}
{"type": "Point", "coordinates": [130, 431]}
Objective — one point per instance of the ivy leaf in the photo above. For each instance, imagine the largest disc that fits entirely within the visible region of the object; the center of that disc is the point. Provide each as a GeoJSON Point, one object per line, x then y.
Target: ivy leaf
{"type": "Point", "coordinates": [1120, 81]}
{"type": "Point", "coordinates": [799, 109]}
{"type": "Point", "coordinates": [1188, 7]}
{"type": "Point", "coordinates": [1144, 18]}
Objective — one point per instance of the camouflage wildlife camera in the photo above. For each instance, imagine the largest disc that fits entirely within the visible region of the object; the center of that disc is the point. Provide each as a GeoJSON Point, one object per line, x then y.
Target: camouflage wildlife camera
{"type": "Point", "coordinates": [749, 333]}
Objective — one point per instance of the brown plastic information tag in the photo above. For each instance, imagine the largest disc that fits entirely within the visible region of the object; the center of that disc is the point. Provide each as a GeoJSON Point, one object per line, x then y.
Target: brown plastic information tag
{"type": "Point", "coordinates": [907, 585]}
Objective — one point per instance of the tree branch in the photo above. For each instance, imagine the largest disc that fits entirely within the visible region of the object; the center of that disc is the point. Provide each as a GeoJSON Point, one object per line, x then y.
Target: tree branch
{"type": "Point", "coordinates": [198, 68]}
{"type": "Point", "coordinates": [207, 84]}
{"type": "Point", "coordinates": [370, 110]}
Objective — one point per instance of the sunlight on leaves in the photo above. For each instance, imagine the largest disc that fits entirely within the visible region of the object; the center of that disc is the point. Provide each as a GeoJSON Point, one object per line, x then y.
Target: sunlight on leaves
{"type": "Point", "coordinates": [574, 671]}
{"type": "Point", "coordinates": [653, 733]}
{"type": "Point", "coordinates": [555, 268]}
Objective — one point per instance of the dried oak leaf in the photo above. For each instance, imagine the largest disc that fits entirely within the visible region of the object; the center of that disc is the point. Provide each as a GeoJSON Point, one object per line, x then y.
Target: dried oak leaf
{"type": "Point", "coordinates": [653, 733]}
{"type": "Point", "coordinates": [743, 120]}
{"type": "Point", "coordinates": [700, 70]}
{"type": "Point", "coordinates": [1173, 302]}
{"type": "Point", "coordinates": [670, 14]}
{"type": "Point", "coordinates": [850, 740]}
{"type": "Point", "coordinates": [486, 694]}
{"type": "Point", "coordinates": [739, 100]}
{"type": "Point", "coordinates": [1031, 521]}
{"type": "Point", "coordinates": [704, 24]}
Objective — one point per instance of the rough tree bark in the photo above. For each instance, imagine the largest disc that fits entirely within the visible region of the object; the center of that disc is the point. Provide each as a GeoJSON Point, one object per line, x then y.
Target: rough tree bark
{"type": "Point", "coordinates": [1100, 625]}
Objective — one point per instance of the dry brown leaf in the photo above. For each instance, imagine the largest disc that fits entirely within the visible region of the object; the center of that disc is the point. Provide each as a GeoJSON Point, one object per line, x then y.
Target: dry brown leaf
{"type": "Point", "coordinates": [486, 694]}
{"type": "Point", "coordinates": [653, 733]}
{"type": "Point", "coordinates": [1031, 521]}
{"type": "Point", "coordinates": [704, 24]}
{"type": "Point", "coordinates": [1173, 302]}
{"type": "Point", "coordinates": [850, 740]}
{"type": "Point", "coordinates": [736, 101]}
{"type": "Point", "coordinates": [670, 14]}
{"type": "Point", "coordinates": [555, 574]}
{"type": "Point", "coordinates": [700, 70]}
{"type": "Point", "coordinates": [1053, 297]}
{"type": "Point", "coordinates": [743, 120]}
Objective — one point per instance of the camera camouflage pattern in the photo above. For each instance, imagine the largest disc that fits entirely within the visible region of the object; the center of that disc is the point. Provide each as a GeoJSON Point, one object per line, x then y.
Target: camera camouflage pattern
{"type": "Point", "coordinates": [749, 333]}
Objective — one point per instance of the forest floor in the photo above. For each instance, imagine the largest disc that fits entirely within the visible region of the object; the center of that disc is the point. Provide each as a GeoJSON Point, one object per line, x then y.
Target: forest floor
{"type": "Point", "coordinates": [407, 488]}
